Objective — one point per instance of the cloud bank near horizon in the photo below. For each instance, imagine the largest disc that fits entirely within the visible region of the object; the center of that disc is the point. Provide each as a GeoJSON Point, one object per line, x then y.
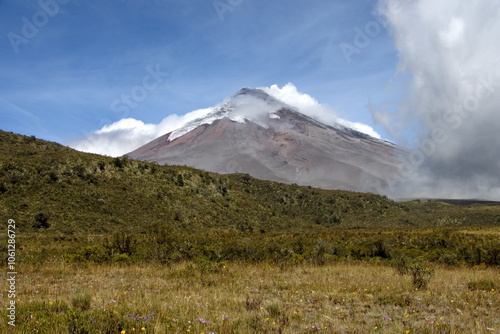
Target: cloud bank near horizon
{"type": "Point", "coordinates": [127, 134]}
{"type": "Point", "coordinates": [449, 55]}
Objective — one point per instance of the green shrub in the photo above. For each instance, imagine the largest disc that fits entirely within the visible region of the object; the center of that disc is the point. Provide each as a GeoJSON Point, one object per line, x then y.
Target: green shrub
{"type": "Point", "coordinates": [449, 259]}
{"type": "Point", "coordinates": [415, 268]}
{"type": "Point", "coordinates": [244, 226]}
{"type": "Point", "coordinates": [101, 165]}
{"type": "Point", "coordinates": [180, 180]}
{"type": "Point", "coordinates": [121, 258]}
{"type": "Point", "coordinates": [94, 321]}
{"type": "Point", "coordinates": [94, 253]}
{"type": "Point", "coordinates": [207, 267]}
{"type": "Point", "coordinates": [335, 219]}
{"type": "Point", "coordinates": [120, 162]}
{"type": "Point", "coordinates": [123, 244]}
{"type": "Point", "coordinates": [395, 300]}
{"type": "Point", "coordinates": [41, 220]}
{"type": "Point", "coordinates": [274, 310]}
{"type": "Point", "coordinates": [81, 301]}
{"type": "Point", "coordinates": [253, 304]}
{"type": "Point", "coordinates": [421, 275]}
{"type": "Point", "coordinates": [485, 285]}
{"type": "Point", "coordinates": [256, 323]}
{"type": "Point", "coordinates": [297, 259]}
{"type": "Point", "coordinates": [319, 253]}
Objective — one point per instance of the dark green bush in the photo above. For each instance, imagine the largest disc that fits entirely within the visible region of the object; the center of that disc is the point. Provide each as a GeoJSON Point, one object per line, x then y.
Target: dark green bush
{"type": "Point", "coordinates": [120, 162]}
{"type": "Point", "coordinates": [416, 268]}
{"type": "Point", "coordinates": [122, 243]}
{"type": "Point", "coordinates": [485, 285]}
{"type": "Point", "coordinates": [41, 220]}
{"type": "Point", "coordinates": [94, 254]}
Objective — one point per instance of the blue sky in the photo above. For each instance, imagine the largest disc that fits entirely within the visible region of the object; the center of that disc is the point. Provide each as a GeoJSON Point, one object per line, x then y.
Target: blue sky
{"type": "Point", "coordinates": [431, 73]}
{"type": "Point", "coordinates": [59, 82]}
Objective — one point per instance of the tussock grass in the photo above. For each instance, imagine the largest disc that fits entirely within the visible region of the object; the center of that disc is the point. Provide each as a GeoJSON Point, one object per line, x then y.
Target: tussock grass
{"type": "Point", "coordinates": [253, 298]}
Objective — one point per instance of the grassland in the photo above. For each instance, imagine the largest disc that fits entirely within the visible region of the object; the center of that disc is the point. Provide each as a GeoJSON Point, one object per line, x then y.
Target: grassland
{"type": "Point", "coordinates": [112, 245]}
{"type": "Point", "coordinates": [361, 281]}
{"type": "Point", "coordinates": [253, 298]}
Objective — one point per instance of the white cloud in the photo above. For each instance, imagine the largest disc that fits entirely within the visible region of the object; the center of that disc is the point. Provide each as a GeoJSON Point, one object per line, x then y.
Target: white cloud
{"type": "Point", "coordinates": [449, 50]}
{"type": "Point", "coordinates": [290, 95]}
{"type": "Point", "coordinates": [364, 128]}
{"type": "Point", "coordinates": [128, 134]}
{"type": "Point", "coordinates": [454, 33]}
{"type": "Point", "coordinates": [309, 106]}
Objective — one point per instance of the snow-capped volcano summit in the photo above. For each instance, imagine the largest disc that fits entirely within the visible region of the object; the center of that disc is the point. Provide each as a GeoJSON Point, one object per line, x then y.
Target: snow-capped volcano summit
{"type": "Point", "coordinates": [253, 132]}
{"type": "Point", "coordinates": [249, 104]}
{"type": "Point", "coordinates": [246, 105]}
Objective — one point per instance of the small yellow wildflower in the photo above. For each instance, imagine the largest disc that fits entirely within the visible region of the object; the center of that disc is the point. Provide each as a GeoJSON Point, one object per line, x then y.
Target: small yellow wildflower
{"type": "Point", "coordinates": [123, 332]}
{"type": "Point", "coordinates": [143, 329]}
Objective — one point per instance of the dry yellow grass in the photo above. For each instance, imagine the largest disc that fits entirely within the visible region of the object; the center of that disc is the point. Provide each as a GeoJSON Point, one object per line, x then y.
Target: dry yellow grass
{"type": "Point", "coordinates": [483, 230]}
{"type": "Point", "coordinates": [261, 298]}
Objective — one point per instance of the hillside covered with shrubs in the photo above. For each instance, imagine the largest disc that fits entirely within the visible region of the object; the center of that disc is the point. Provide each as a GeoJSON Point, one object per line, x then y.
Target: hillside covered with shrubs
{"type": "Point", "coordinates": [53, 189]}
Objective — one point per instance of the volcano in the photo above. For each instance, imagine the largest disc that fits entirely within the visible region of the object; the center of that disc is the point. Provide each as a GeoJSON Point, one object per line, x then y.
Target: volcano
{"type": "Point", "coordinates": [255, 133]}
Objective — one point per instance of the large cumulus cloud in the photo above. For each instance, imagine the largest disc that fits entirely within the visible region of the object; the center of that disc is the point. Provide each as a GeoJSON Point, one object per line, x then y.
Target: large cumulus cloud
{"type": "Point", "coordinates": [127, 134]}
{"type": "Point", "coordinates": [449, 56]}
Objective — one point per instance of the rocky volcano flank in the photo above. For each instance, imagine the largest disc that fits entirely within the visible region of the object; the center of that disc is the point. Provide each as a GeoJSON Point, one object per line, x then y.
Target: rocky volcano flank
{"type": "Point", "coordinates": [257, 134]}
